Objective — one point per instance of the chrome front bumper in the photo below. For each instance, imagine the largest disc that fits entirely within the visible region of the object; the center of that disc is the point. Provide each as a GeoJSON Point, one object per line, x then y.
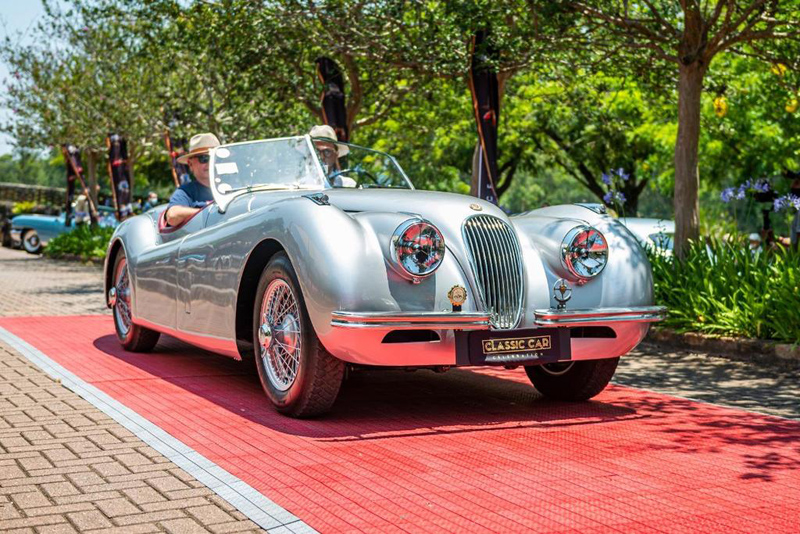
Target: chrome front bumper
{"type": "Point", "coordinates": [637, 314]}
{"type": "Point", "coordinates": [412, 320]}
{"type": "Point", "coordinates": [482, 321]}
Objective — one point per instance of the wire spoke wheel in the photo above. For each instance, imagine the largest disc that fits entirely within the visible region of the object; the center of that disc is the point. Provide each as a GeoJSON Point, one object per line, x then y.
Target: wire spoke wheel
{"type": "Point", "coordinates": [122, 305]}
{"type": "Point", "coordinates": [280, 334]}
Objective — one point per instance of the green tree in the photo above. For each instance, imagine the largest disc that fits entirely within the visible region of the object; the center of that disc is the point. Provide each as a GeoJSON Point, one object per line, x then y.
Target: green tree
{"type": "Point", "coordinates": [687, 36]}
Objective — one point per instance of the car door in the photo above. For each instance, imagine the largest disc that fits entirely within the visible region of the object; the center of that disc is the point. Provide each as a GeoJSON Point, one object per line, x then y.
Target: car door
{"type": "Point", "coordinates": [208, 267]}
{"type": "Point", "coordinates": [157, 288]}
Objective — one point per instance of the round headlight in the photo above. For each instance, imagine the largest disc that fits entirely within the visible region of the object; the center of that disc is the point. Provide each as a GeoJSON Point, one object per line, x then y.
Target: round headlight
{"type": "Point", "coordinates": [417, 248]}
{"type": "Point", "coordinates": [584, 252]}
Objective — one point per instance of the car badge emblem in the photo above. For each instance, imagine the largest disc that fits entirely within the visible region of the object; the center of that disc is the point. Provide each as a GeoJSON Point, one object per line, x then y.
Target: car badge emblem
{"type": "Point", "coordinates": [476, 207]}
{"type": "Point", "coordinates": [457, 295]}
{"type": "Point", "coordinates": [562, 292]}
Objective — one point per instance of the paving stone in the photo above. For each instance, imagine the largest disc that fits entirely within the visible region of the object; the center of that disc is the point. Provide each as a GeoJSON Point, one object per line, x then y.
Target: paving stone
{"type": "Point", "coordinates": [183, 526]}
{"type": "Point", "coordinates": [32, 499]}
{"type": "Point", "coordinates": [117, 507]}
{"type": "Point", "coordinates": [89, 520]}
{"type": "Point", "coordinates": [143, 495]}
{"type": "Point", "coordinates": [209, 514]}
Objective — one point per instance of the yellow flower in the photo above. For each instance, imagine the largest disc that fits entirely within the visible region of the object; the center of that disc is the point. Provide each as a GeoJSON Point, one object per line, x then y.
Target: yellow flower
{"type": "Point", "coordinates": [779, 69]}
{"type": "Point", "coordinates": [792, 105]}
{"type": "Point", "coordinates": [720, 106]}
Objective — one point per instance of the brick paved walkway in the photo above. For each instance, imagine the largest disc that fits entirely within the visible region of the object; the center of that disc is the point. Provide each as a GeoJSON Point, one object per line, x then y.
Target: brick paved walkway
{"type": "Point", "coordinates": [64, 465]}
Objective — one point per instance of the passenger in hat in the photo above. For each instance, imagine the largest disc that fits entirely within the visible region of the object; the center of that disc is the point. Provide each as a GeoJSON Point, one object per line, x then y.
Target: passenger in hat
{"type": "Point", "coordinates": [330, 150]}
{"type": "Point", "coordinates": [193, 196]}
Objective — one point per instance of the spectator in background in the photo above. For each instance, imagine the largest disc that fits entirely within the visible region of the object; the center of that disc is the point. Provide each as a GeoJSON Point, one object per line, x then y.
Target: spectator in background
{"type": "Point", "coordinates": [755, 244]}
{"type": "Point", "coordinates": [81, 210]}
{"type": "Point", "coordinates": [152, 201]}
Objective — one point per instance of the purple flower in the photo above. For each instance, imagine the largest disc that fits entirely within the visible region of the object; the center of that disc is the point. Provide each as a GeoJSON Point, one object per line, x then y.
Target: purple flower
{"type": "Point", "coordinates": [795, 202]}
{"type": "Point", "coordinates": [779, 204]}
{"type": "Point", "coordinates": [761, 186]}
{"type": "Point", "coordinates": [608, 197]}
{"type": "Point", "coordinates": [742, 191]}
{"type": "Point", "coordinates": [622, 174]}
{"type": "Point", "coordinates": [606, 179]}
{"type": "Point", "coordinates": [727, 194]}
{"type": "Point", "coordinates": [620, 196]}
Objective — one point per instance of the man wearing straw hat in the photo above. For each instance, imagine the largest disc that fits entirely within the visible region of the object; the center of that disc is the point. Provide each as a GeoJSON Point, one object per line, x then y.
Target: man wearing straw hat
{"type": "Point", "coordinates": [193, 196]}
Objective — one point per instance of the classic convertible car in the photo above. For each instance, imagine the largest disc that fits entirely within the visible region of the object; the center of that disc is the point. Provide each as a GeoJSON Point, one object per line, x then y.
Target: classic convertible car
{"type": "Point", "coordinates": [308, 278]}
{"type": "Point", "coordinates": [32, 232]}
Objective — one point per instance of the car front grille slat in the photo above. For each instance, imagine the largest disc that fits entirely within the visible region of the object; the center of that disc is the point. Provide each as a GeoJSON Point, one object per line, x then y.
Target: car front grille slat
{"type": "Point", "coordinates": [496, 261]}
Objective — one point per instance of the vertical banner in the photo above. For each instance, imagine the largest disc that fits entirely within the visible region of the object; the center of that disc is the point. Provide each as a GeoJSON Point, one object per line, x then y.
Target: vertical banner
{"type": "Point", "coordinates": [118, 173]}
{"type": "Point", "coordinates": [71, 179]}
{"type": "Point", "coordinates": [486, 106]}
{"type": "Point", "coordinates": [180, 172]}
{"type": "Point", "coordinates": [334, 111]}
{"type": "Point", "coordinates": [72, 158]}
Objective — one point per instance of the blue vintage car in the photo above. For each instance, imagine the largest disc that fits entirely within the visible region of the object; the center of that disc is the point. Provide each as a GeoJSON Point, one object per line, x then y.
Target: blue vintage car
{"type": "Point", "coordinates": [32, 232]}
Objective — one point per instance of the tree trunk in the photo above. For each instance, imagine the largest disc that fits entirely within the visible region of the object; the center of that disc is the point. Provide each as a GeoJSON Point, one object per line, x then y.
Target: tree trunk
{"type": "Point", "coordinates": [687, 180]}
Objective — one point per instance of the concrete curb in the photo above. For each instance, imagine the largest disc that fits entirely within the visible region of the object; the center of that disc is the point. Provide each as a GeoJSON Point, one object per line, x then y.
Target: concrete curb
{"type": "Point", "coordinates": [743, 349]}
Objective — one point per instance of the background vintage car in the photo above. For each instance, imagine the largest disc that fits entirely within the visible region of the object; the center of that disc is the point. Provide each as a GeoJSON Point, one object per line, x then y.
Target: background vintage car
{"type": "Point", "coordinates": [655, 233]}
{"type": "Point", "coordinates": [308, 278]}
{"type": "Point", "coordinates": [32, 232]}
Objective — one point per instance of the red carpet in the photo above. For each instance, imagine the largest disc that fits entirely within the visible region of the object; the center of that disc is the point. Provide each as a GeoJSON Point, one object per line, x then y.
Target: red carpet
{"type": "Point", "coordinates": [462, 451]}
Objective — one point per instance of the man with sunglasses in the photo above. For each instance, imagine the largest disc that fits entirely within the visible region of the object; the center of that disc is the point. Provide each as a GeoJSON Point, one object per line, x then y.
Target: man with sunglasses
{"type": "Point", "coordinates": [195, 195]}
{"type": "Point", "coordinates": [330, 150]}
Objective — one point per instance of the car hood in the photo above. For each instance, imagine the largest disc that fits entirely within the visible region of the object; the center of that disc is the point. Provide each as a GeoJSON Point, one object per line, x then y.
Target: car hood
{"type": "Point", "coordinates": [442, 209]}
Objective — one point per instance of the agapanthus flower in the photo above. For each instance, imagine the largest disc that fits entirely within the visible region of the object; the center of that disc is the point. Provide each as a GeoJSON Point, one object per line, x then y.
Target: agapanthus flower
{"type": "Point", "coordinates": [727, 194]}
{"type": "Point", "coordinates": [762, 186]}
{"type": "Point", "coordinates": [622, 174]}
{"type": "Point", "coordinates": [608, 197]}
{"type": "Point", "coordinates": [742, 191]}
{"type": "Point", "coordinates": [620, 196]}
{"type": "Point", "coordinates": [606, 179]}
{"type": "Point", "coordinates": [779, 204]}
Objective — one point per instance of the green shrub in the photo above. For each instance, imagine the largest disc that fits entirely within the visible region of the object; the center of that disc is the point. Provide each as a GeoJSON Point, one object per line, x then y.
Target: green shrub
{"type": "Point", "coordinates": [23, 207]}
{"type": "Point", "coordinates": [85, 242]}
{"type": "Point", "coordinates": [722, 288]}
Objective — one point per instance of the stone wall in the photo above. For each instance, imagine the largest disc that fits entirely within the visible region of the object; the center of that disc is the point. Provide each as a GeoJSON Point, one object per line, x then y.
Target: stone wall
{"type": "Point", "coordinates": [32, 193]}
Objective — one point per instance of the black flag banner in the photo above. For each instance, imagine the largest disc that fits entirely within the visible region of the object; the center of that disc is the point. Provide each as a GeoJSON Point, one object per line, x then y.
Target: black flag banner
{"type": "Point", "coordinates": [72, 159]}
{"type": "Point", "coordinates": [118, 173]}
{"type": "Point", "coordinates": [180, 172]}
{"type": "Point", "coordinates": [486, 105]}
{"type": "Point", "coordinates": [334, 112]}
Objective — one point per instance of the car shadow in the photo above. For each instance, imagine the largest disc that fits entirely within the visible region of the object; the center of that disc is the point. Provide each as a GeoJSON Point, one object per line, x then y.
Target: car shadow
{"type": "Point", "coordinates": [381, 404]}
{"type": "Point", "coordinates": [372, 404]}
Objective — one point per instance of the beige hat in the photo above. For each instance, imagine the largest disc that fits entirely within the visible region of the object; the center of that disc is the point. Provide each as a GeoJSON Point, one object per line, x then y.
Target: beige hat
{"type": "Point", "coordinates": [200, 144]}
{"type": "Point", "coordinates": [325, 132]}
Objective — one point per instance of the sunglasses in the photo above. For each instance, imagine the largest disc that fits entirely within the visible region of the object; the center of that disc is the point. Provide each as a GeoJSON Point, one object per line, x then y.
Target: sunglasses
{"type": "Point", "coordinates": [203, 158]}
{"type": "Point", "coordinates": [326, 152]}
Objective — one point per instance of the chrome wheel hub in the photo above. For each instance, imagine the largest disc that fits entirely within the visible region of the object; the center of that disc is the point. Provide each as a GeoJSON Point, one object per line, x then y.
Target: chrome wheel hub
{"type": "Point", "coordinates": [280, 335]}
{"type": "Point", "coordinates": [557, 368]}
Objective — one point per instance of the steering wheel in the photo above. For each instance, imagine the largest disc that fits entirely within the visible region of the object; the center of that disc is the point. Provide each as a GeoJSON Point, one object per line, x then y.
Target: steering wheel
{"type": "Point", "coordinates": [357, 170]}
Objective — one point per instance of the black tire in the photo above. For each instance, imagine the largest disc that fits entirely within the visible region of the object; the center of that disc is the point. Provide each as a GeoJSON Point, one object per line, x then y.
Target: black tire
{"type": "Point", "coordinates": [309, 384]}
{"type": "Point", "coordinates": [572, 381]}
{"type": "Point", "coordinates": [31, 242]}
{"type": "Point", "coordinates": [132, 337]}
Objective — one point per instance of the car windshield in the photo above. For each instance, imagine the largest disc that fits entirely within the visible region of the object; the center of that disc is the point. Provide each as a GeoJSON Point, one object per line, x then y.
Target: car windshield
{"type": "Point", "coordinates": [358, 167]}
{"type": "Point", "coordinates": [286, 163]}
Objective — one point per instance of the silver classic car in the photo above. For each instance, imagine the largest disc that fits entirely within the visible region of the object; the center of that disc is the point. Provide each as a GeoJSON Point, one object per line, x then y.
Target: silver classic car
{"type": "Point", "coordinates": [309, 267]}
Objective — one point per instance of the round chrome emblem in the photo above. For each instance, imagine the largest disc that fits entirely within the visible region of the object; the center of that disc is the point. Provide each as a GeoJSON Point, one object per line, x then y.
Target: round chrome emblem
{"type": "Point", "coordinates": [562, 292]}
{"type": "Point", "coordinates": [476, 207]}
{"type": "Point", "coordinates": [457, 295]}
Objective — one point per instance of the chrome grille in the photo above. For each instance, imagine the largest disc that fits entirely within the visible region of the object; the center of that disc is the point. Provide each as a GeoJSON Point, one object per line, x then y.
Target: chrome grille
{"type": "Point", "coordinates": [497, 263]}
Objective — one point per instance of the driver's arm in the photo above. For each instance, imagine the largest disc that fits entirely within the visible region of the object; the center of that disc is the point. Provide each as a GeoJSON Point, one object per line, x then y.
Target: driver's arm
{"type": "Point", "coordinates": [176, 215]}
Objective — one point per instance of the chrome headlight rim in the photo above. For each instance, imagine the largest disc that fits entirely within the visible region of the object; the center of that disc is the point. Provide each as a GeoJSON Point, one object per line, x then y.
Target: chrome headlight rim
{"type": "Point", "coordinates": [397, 243]}
{"type": "Point", "coordinates": [574, 252]}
